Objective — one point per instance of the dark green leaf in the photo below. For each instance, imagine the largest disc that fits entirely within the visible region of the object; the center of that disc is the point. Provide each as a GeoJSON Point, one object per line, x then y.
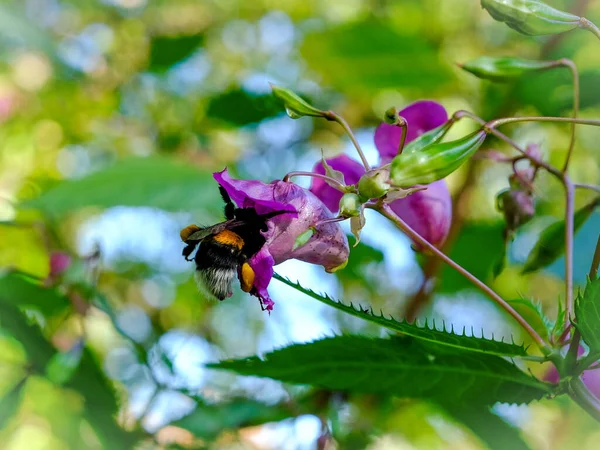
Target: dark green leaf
{"type": "Point", "coordinates": [152, 181]}
{"type": "Point", "coordinates": [18, 290]}
{"type": "Point", "coordinates": [487, 426]}
{"type": "Point", "coordinates": [239, 108]}
{"type": "Point", "coordinates": [402, 367]}
{"type": "Point", "coordinates": [9, 404]}
{"type": "Point", "coordinates": [587, 311]}
{"type": "Point", "coordinates": [165, 51]}
{"type": "Point", "coordinates": [551, 242]}
{"type": "Point", "coordinates": [208, 421]}
{"type": "Point", "coordinates": [445, 337]}
{"type": "Point", "coordinates": [372, 55]}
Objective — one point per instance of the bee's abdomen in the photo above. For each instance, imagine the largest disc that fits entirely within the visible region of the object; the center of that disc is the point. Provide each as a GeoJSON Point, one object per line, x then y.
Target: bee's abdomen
{"type": "Point", "coordinates": [217, 266]}
{"type": "Point", "coordinates": [229, 238]}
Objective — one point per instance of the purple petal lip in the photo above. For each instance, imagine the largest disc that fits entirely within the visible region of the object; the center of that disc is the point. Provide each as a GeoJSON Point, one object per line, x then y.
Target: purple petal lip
{"type": "Point", "coordinates": [421, 116]}
{"type": "Point", "coordinates": [328, 247]}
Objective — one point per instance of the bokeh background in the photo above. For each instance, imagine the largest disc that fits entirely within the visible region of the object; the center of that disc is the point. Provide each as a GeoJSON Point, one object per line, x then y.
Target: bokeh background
{"type": "Point", "coordinates": [114, 114]}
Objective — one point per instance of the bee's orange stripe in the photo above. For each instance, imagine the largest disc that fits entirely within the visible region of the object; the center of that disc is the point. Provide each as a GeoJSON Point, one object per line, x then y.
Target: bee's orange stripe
{"type": "Point", "coordinates": [227, 237]}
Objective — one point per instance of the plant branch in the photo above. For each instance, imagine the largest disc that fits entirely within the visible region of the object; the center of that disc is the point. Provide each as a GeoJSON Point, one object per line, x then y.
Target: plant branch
{"type": "Point", "coordinates": [506, 120]}
{"type": "Point", "coordinates": [571, 65]}
{"type": "Point", "coordinates": [332, 116]}
{"type": "Point", "coordinates": [581, 395]}
{"type": "Point", "coordinates": [591, 187]}
{"type": "Point", "coordinates": [588, 25]}
{"type": "Point", "coordinates": [330, 180]}
{"type": "Point", "coordinates": [388, 213]}
{"type": "Point", "coordinates": [569, 232]}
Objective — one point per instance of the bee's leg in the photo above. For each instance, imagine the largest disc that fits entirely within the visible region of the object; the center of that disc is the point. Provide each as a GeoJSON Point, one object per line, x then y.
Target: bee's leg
{"type": "Point", "coordinates": [229, 206]}
{"type": "Point", "coordinates": [187, 251]}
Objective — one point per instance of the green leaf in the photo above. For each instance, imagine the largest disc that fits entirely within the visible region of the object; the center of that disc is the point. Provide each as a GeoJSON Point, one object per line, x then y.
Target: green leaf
{"type": "Point", "coordinates": [372, 55]}
{"type": "Point", "coordinates": [504, 68]}
{"type": "Point", "coordinates": [533, 314]}
{"type": "Point", "coordinates": [165, 51]}
{"type": "Point", "coordinates": [208, 421]}
{"type": "Point", "coordinates": [295, 106]}
{"type": "Point", "coordinates": [240, 108]}
{"type": "Point", "coordinates": [487, 239]}
{"type": "Point", "coordinates": [153, 181]}
{"type": "Point", "coordinates": [551, 242]}
{"type": "Point", "coordinates": [427, 333]}
{"type": "Point", "coordinates": [19, 290]}
{"type": "Point", "coordinates": [587, 312]}
{"type": "Point", "coordinates": [495, 433]}
{"type": "Point", "coordinates": [9, 404]}
{"type": "Point", "coordinates": [399, 366]}
{"type": "Point", "coordinates": [63, 365]}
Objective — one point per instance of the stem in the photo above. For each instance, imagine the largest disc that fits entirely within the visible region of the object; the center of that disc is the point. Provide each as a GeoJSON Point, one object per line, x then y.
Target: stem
{"type": "Point", "coordinates": [588, 25]}
{"type": "Point", "coordinates": [505, 120]}
{"type": "Point", "coordinates": [388, 213]}
{"type": "Point", "coordinates": [403, 124]}
{"type": "Point", "coordinates": [569, 230]}
{"type": "Point", "coordinates": [571, 65]}
{"type": "Point", "coordinates": [330, 115]}
{"type": "Point", "coordinates": [584, 398]}
{"type": "Point", "coordinates": [591, 187]}
{"type": "Point", "coordinates": [330, 180]}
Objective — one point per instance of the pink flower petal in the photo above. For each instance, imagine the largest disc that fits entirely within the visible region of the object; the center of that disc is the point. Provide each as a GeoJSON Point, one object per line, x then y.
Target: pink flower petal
{"type": "Point", "coordinates": [352, 171]}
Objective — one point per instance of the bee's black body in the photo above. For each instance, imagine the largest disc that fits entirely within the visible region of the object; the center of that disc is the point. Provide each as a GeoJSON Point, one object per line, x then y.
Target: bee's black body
{"type": "Point", "coordinates": [225, 248]}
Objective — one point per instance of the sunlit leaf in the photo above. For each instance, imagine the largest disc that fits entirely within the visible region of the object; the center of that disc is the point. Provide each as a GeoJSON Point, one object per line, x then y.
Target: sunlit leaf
{"type": "Point", "coordinates": [533, 314]}
{"type": "Point", "coordinates": [152, 181]}
{"type": "Point", "coordinates": [401, 367]}
{"type": "Point", "coordinates": [587, 311]}
{"type": "Point", "coordinates": [372, 55]}
{"type": "Point", "coordinates": [10, 402]}
{"type": "Point", "coordinates": [456, 339]}
{"type": "Point", "coordinates": [63, 365]}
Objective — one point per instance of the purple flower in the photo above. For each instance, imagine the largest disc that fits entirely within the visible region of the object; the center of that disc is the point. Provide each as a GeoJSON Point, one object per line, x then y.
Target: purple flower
{"type": "Point", "coordinates": [428, 212]}
{"type": "Point", "coordinates": [328, 246]}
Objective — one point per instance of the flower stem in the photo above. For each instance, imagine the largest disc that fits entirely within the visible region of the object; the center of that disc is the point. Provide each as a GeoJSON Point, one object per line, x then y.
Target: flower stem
{"type": "Point", "coordinates": [388, 213]}
{"type": "Point", "coordinates": [403, 125]}
{"type": "Point", "coordinates": [571, 65]}
{"type": "Point", "coordinates": [588, 25]}
{"type": "Point", "coordinates": [506, 120]}
{"type": "Point", "coordinates": [330, 180]}
{"type": "Point", "coordinates": [332, 116]}
{"type": "Point", "coordinates": [591, 187]}
{"type": "Point", "coordinates": [584, 398]}
{"type": "Point", "coordinates": [569, 231]}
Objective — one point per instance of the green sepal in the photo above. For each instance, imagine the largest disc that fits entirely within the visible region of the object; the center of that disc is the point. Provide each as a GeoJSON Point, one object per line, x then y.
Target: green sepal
{"type": "Point", "coordinates": [504, 68]}
{"type": "Point", "coordinates": [295, 106]}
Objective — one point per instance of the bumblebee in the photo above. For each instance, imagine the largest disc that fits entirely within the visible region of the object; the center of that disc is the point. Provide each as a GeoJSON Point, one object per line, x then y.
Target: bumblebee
{"type": "Point", "coordinates": [224, 249]}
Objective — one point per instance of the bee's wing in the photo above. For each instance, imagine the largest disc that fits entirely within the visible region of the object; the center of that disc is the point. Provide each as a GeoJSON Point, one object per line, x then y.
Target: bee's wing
{"type": "Point", "coordinates": [215, 229]}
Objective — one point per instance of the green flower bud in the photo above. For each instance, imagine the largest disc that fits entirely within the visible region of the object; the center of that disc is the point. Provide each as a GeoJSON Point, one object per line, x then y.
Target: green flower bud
{"type": "Point", "coordinates": [373, 184]}
{"type": "Point", "coordinates": [295, 107]}
{"type": "Point", "coordinates": [531, 17]}
{"type": "Point", "coordinates": [504, 69]}
{"type": "Point", "coordinates": [350, 205]}
{"type": "Point", "coordinates": [431, 137]}
{"type": "Point", "coordinates": [390, 116]}
{"type": "Point", "coordinates": [434, 162]}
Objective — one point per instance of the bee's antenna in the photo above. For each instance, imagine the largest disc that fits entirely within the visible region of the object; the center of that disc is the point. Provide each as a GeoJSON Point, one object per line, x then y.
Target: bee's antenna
{"type": "Point", "coordinates": [229, 206]}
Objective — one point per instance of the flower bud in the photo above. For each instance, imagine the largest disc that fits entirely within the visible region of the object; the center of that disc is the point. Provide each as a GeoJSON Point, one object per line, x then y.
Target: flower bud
{"type": "Point", "coordinates": [373, 184]}
{"type": "Point", "coordinates": [295, 107]}
{"type": "Point", "coordinates": [59, 263]}
{"type": "Point", "coordinates": [503, 68]}
{"type": "Point", "coordinates": [518, 207]}
{"type": "Point", "coordinates": [434, 162]}
{"type": "Point", "coordinates": [531, 17]}
{"type": "Point", "coordinates": [350, 205]}
{"type": "Point", "coordinates": [390, 115]}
